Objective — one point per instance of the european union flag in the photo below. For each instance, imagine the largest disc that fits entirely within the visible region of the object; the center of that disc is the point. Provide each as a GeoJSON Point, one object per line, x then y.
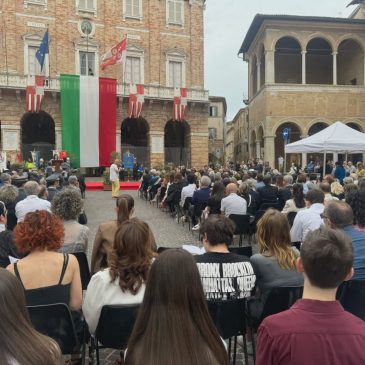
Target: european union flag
{"type": "Point", "coordinates": [42, 50]}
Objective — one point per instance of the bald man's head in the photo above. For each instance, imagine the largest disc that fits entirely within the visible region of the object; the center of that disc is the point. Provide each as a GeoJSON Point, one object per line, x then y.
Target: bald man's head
{"type": "Point", "coordinates": [231, 188]}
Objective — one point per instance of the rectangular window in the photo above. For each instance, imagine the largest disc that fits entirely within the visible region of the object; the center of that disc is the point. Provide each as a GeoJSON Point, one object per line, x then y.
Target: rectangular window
{"type": "Point", "coordinates": [40, 2]}
{"type": "Point", "coordinates": [87, 63]}
{"type": "Point", "coordinates": [212, 133]}
{"type": "Point", "coordinates": [34, 68]}
{"type": "Point", "coordinates": [133, 70]}
{"type": "Point", "coordinates": [86, 5]}
{"type": "Point", "coordinates": [175, 74]}
{"type": "Point", "coordinates": [132, 8]}
{"type": "Point", "coordinates": [175, 11]}
{"type": "Point", "coordinates": [213, 111]}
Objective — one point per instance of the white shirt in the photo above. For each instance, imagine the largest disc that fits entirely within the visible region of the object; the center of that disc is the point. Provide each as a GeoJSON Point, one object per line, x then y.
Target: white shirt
{"type": "Point", "coordinates": [305, 221]}
{"type": "Point", "coordinates": [30, 204]}
{"type": "Point", "coordinates": [100, 292]}
{"type": "Point", "coordinates": [114, 172]}
{"type": "Point", "coordinates": [233, 204]}
{"type": "Point", "coordinates": [187, 192]}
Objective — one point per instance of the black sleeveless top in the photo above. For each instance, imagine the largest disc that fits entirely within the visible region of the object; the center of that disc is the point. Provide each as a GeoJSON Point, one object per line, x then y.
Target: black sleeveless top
{"type": "Point", "coordinates": [49, 294]}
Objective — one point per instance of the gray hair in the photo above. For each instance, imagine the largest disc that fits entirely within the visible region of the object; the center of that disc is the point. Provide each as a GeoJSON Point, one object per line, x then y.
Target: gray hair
{"type": "Point", "coordinates": [205, 181]}
{"type": "Point", "coordinates": [67, 204]}
{"type": "Point", "coordinates": [348, 180]}
{"type": "Point", "coordinates": [339, 213]}
{"type": "Point", "coordinates": [73, 180]}
{"type": "Point", "coordinates": [4, 177]}
{"type": "Point", "coordinates": [8, 194]}
{"type": "Point", "coordinates": [288, 179]}
{"type": "Point", "coordinates": [31, 188]}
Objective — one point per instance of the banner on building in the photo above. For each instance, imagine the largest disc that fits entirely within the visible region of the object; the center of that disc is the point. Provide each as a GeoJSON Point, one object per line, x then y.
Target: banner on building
{"type": "Point", "coordinates": [88, 114]}
{"type": "Point", "coordinates": [136, 100]}
{"type": "Point", "coordinates": [34, 93]}
{"type": "Point", "coordinates": [180, 106]}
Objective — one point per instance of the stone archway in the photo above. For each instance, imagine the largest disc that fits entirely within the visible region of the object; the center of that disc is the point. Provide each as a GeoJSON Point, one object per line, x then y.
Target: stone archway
{"type": "Point", "coordinates": [294, 135]}
{"type": "Point", "coordinates": [38, 134]}
{"type": "Point", "coordinates": [177, 141]}
{"type": "Point", "coordinates": [134, 139]}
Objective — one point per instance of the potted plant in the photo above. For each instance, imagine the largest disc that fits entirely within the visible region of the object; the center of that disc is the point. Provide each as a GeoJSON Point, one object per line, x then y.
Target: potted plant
{"type": "Point", "coordinates": [107, 184]}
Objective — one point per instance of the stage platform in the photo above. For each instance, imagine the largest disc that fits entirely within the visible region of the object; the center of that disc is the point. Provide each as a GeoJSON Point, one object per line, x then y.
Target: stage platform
{"type": "Point", "coordinates": [124, 185]}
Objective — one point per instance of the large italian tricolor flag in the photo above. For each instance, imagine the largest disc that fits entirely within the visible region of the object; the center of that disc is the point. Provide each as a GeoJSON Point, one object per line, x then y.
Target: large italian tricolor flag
{"type": "Point", "coordinates": [88, 113]}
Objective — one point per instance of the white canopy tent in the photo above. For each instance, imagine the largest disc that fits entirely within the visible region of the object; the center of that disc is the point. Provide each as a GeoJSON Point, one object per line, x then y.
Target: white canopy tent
{"type": "Point", "coordinates": [337, 138]}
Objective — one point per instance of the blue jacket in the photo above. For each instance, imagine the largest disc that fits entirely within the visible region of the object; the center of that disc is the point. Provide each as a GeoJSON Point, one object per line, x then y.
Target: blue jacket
{"type": "Point", "coordinates": [340, 173]}
{"type": "Point", "coordinates": [201, 196]}
{"type": "Point", "coordinates": [358, 243]}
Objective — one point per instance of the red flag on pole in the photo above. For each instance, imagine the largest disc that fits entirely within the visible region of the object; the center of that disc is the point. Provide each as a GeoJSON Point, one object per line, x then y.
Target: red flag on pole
{"type": "Point", "coordinates": [117, 54]}
{"type": "Point", "coordinates": [136, 100]}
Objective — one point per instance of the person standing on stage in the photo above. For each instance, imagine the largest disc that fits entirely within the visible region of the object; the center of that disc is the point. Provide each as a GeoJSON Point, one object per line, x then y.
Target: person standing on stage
{"type": "Point", "coordinates": [114, 178]}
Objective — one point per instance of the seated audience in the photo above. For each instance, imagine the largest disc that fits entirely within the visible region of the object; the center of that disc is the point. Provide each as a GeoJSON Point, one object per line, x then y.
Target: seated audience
{"type": "Point", "coordinates": [188, 191]}
{"type": "Point", "coordinates": [200, 200]}
{"type": "Point", "coordinates": [316, 329]}
{"type": "Point", "coordinates": [337, 190]}
{"type": "Point", "coordinates": [173, 323]}
{"type": "Point", "coordinates": [20, 342]}
{"type": "Point", "coordinates": [348, 189]}
{"type": "Point", "coordinates": [339, 215]}
{"type": "Point", "coordinates": [360, 171]}
{"type": "Point", "coordinates": [31, 203]}
{"type": "Point", "coordinates": [339, 172]}
{"type": "Point", "coordinates": [124, 281]}
{"type": "Point", "coordinates": [326, 188]}
{"type": "Point", "coordinates": [245, 192]}
{"type": "Point", "coordinates": [268, 193]}
{"type": "Point", "coordinates": [104, 237]}
{"type": "Point", "coordinates": [8, 195]}
{"type": "Point", "coordinates": [67, 205]}
{"type": "Point", "coordinates": [174, 192]}
{"type": "Point", "coordinates": [53, 185]}
{"type": "Point", "coordinates": [214, 202]}
{"type": "Point", "coordinates": [356, 200]}
{"type": "Point", "coordinates": [7, 245]}
{"type": "Point", "coordinates": [274, 265]}
{"type": "Point", "coordinates": [47, 276]}
{"type": "Point", "coordinates": [308, 219]}
{"type": "Point", "coordinates": [284, 183]}
{"type": "Point", "coordinates": [297, 203]}
{"type": "Point", "coordinates": [235, 277]}
{"type": "Point", "coordinates": [259, 181]}
{"type": "Point", "coordinates": [233, 203]}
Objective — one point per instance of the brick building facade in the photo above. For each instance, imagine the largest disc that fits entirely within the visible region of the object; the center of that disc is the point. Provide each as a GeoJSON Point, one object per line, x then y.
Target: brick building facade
{"type": "Point", "coordinates": [305, 73]}
{"type": "Point", "coordinates": [164, 50]}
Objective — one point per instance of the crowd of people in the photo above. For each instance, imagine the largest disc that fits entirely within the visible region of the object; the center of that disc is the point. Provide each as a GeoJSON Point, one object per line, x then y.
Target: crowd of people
{"type": "Point", "coordinates": [310, 233]}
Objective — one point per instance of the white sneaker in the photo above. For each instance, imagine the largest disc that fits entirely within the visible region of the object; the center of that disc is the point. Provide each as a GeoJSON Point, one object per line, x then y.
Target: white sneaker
{"type": "Point", "coordinates": [196, 228]}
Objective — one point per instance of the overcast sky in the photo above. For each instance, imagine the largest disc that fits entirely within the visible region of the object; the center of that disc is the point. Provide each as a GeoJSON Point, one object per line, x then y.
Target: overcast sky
{"type": "Point", "coordinates": [226, 24]}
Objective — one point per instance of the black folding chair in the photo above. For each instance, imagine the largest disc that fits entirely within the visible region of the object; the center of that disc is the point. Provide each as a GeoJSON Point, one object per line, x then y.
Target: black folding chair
{"type": "Point", "coordinates": [278, 300]}
{"type": "Point", "coordinates": [243, 251]}
{"type": "Point", "coordinates": [55, 321]}
{"type": "Point", "coordinates": [351, 294]}
{"type": "Point", "coordinates": [242, 223]}
{"type": "Point", "coordinates": [114, 327]}
{"type": "Point", "coordinates": [291, 216]}
{"type": "Point", "coordinates": [162, 249]}
{"type": "Point", "coordinates": [84, 269]}
{"type": "Point", "coordinates": [229, 319]}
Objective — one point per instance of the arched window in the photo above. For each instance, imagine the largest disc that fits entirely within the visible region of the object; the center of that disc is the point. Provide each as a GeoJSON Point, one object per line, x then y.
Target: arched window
{"type": "Point", "coordinates": [350, 63]}
{"type": "Point", "coordinates": [288, 61]}
{"type": "Point", "coordinates": [319, 62]}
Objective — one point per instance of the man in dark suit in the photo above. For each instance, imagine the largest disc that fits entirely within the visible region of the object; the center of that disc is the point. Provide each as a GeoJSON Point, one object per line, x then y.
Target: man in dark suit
{"type": "Point", "coordinates": [268, 193]}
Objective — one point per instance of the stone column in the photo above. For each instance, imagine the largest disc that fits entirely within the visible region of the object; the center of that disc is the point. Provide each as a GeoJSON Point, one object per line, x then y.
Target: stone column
{"type": "Point", "coordinates": [258, 149]}
{"type": "Point", "coordinates": [270, 66]}
{"type": "Point", "coordinates": [304, 76]}
{"type": "Point", "coordinates": [270, 150]}
{"type": "Point", "coordinates": [334, 54]}
{"type": "Point", "coordinates": [58, 138]}
{"type": "Point", "coordinates": [258, 73]}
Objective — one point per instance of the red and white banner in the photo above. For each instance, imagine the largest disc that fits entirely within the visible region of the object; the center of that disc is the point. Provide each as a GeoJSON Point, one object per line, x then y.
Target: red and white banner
{"type": "Point", "coordinates": [136, 100]}
{"type": "Point", "coordinates": [117, 54]}
{"type": "Point", "coordinates": [180, 107]}
{"type": "Point", "coordinates": [34, 93]}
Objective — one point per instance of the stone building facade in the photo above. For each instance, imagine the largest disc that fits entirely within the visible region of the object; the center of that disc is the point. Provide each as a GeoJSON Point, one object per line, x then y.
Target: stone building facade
{"type": "Point", "coordinates": [216, 121]}
{"type": "Point", "coordinates": [228, 142]}
{"type": "Point", "coordinates": [241, 142]}
{"type": "Point", "coordinates": [164, 50]}
{"type": "Point", "coordinates": [305, 73]}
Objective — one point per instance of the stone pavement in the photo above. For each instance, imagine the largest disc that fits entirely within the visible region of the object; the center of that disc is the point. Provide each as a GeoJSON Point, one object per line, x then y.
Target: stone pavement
{"type": "Point", "coordinates": [100, 207]}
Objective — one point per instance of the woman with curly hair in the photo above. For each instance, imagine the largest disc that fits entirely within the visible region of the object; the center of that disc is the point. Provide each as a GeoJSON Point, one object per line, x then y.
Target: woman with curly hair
{"type": "Point", "coordinates": [124, 281]}
{"type": "Point", "coordinates": [47, 276]}
{"type": "Point", "coordinates": [20, 342]}
{"type": "Point", "coordinates": [67, 205]}
{"type": "Point", "coordinates": [275, 264]}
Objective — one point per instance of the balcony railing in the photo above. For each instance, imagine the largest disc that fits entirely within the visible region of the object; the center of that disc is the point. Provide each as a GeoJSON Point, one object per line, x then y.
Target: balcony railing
{"type": "Point", "coordinates": [150, 91]}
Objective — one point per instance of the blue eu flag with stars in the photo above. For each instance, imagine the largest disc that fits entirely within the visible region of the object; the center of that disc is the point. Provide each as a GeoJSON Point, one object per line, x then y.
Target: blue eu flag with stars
{"type": "Point", "coordinates": [42, 50]}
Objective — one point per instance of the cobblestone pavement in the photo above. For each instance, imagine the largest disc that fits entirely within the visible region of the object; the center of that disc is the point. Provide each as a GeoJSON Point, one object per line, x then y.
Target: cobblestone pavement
{"type": "Point", "coordinates": [100, 207]}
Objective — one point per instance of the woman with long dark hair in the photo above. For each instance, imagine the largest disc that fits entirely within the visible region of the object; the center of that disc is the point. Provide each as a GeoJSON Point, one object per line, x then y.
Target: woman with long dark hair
{"type": "Point", "coordinates": [297, 203]}
{"type": "Point", "coordinates": [216, 196]}
{"type": "Point", "coordinates": [104, 238]}
{"type": "Point", "coordinates": [124, 281]}
{"type": "Point", "coordinates": [20, 342]}
{"type": "Point", "coordinates": [173, 323]}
